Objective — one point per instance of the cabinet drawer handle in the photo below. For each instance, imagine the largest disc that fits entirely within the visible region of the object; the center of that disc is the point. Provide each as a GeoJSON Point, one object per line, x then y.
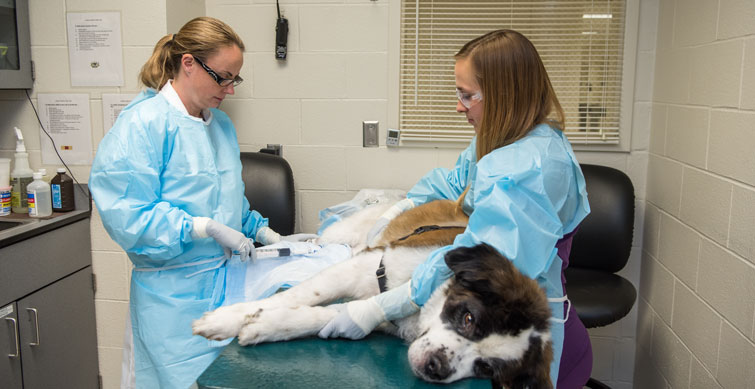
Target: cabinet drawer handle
{"type": "Point", "coordinates": [36, 325]}
{"type": "Point", "coordinates": [15, 332]}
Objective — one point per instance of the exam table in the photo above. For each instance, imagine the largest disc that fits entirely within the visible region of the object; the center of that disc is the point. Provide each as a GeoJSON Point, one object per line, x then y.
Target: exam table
{"type": "Point", "coordinates": [378, 361]}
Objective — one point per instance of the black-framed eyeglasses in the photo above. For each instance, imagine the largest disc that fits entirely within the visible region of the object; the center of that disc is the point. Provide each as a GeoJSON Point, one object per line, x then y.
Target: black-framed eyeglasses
{"type": "Point", "coordinates": [224, 82]}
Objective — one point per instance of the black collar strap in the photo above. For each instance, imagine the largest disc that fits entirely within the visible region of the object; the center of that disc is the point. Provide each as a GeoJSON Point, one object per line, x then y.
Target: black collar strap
{"type": "Point", "coordinates": [423, 229]}
{"type": "Point", "coordinates": [380, 272]}
{"type": "Point", "coordinates": [381, 279]}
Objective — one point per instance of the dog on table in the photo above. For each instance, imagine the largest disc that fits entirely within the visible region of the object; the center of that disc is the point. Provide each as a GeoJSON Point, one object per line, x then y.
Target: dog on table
{"type": "Point", "coordinates": [488, 321]}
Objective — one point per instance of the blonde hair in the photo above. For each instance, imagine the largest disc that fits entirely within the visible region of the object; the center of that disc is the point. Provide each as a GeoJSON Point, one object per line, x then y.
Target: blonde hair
{"type": "Point", "coordinates": [201, 37]}
{"type": "Point", "coordinates": [517, 92]}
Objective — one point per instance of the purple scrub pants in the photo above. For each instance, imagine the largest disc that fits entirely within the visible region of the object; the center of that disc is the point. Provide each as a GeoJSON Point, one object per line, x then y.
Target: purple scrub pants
{"type": "Point", "coordinates": [576, 357]}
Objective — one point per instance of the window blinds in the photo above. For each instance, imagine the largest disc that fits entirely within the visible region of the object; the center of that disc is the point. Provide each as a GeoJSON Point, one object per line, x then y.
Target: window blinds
{"type": "Point", "coordinates": [580, 42]}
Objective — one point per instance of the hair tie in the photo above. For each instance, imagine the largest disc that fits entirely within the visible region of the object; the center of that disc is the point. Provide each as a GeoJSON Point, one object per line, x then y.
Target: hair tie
{"type": "Point", "coordinates": [172, 39]}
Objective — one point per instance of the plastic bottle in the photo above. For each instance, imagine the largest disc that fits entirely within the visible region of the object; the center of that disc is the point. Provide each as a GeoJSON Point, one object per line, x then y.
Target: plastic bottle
{"type": "Point", "coordinates": [21, 176]}
{"type": "Point", "coordinates": [5, 187]}
{"type": "Point", "coordinates": [62, 192]}
{"type": "Point", "coordinates": [39, 197]}
{"type": "Point", "coordinates": [45, 177]}
{"type": "Point", "coordinates": [5, 200]}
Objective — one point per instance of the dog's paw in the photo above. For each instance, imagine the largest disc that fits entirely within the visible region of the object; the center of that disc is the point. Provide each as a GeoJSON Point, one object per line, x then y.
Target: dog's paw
{"type": "Point", "coordinates": [222, 323]}
{"type": "Point", "coordinates": [265, 326]}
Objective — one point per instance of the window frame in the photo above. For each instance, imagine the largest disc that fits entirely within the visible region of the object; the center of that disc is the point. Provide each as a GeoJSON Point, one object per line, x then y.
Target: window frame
{"type": "Point", "coordinates": [631, 27]}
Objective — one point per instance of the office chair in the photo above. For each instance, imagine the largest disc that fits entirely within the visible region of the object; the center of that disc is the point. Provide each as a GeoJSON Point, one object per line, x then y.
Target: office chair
{"type": "Point", "coordinates": [601, 248]}
{"type": "Point", "coordinates": [269, 187]}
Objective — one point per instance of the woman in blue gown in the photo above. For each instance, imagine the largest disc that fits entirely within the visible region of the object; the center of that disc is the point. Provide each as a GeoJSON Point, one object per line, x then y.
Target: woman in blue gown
{"type": "Point", "coordinates": [518, 181]}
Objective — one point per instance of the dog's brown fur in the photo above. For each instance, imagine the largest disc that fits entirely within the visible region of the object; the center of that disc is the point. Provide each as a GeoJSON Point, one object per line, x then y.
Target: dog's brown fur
{"type": "Point", "coordinates": [482, 275]}
{"type": "Point", "coordinates": [525, 302]}
{"type": "Point", "coordinates": [441, 213]}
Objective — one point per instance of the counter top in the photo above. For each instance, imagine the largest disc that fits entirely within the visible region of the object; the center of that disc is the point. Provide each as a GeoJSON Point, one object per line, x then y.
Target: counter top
{"type": "Point", "coordinates": [28, 227]}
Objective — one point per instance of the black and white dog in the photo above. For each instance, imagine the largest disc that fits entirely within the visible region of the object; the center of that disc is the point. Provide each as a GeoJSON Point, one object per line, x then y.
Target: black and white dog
{"type": "Point", "coordinates": [488, 321]}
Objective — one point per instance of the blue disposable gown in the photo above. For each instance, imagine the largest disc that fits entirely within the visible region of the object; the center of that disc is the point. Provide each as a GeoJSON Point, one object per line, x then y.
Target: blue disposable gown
{"type": "Point", "coordinates": [155, 170]}
{"type": "Point", "coordinates": [522, 199]}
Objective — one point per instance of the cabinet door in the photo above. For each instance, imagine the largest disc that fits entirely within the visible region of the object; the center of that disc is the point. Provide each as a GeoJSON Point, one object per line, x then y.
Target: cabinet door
{"type": "Point", "coordinates": [10, 352]}
{"type": "Point", "coordinates": [58, 334]}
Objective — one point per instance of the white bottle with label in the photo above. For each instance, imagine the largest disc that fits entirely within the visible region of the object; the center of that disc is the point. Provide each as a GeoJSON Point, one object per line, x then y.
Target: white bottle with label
{"type": "Point", "coordinates": [45, 177]}
{"type": "Point", "coordinates": [39, 197]}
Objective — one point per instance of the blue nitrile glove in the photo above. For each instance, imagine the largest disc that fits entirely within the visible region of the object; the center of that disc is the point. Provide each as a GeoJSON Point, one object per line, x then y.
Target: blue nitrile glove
{"type": "Point", "coordinates": [385, 218]}
{"type": "Point", "coordinates": [358, 318]}
{"type": "Point", "coordinates": [232, 241]}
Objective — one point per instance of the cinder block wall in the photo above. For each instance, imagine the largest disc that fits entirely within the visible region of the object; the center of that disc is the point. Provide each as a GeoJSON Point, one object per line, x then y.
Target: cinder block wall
{"type": "Point", "coordinates": [341, 71]}
{"type": "Point", "coordinates": [696, 326]}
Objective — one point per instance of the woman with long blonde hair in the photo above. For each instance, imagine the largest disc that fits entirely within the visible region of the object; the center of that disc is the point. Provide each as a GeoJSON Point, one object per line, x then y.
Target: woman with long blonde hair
{"type": "Point", "coordinates": [518, 181]}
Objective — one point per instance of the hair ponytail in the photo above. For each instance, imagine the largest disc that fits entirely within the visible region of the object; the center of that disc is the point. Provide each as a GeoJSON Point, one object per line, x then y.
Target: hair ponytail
{"type": "Point", "coordinates": [201, 37]}
{"type": "Point", "coordinates": [160, 67]}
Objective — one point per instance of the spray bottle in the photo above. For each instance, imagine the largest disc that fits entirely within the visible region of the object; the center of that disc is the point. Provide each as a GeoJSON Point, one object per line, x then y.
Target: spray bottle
{"type": "Point", "coordinates": [21, 176]}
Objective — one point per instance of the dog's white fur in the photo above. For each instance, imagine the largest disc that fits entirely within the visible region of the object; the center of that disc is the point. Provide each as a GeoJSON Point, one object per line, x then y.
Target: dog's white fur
{"type": "Point", "coordinates": [296, 312]}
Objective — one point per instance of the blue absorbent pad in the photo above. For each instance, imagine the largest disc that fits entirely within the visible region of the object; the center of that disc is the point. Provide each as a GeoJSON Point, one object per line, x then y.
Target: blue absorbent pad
{"type": "Point", "coordinates": [254, 280]}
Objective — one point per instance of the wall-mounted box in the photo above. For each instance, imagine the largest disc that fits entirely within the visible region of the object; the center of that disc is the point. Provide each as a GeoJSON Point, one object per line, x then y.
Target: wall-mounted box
{"type": "Point", "coordinates": [16, 67]}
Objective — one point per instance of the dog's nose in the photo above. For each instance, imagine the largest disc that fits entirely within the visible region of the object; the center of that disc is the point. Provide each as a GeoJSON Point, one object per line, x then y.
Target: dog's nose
{"type": "Point", "coordinates": [437, 367]}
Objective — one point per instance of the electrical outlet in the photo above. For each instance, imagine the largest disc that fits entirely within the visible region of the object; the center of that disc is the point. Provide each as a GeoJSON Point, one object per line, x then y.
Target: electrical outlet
{"type": "Point", "coordinates": [370, 133]}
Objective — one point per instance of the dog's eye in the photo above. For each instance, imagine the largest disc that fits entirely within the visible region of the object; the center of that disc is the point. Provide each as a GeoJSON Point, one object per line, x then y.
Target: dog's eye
{"type": "Point", "coordinates": [468, 320]}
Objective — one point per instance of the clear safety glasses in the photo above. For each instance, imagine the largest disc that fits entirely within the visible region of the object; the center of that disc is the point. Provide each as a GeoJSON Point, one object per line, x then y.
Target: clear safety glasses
{"type": "Point", "coordinates": [468, 98]}
{"type": "Point", "coordinates": [224, 82]}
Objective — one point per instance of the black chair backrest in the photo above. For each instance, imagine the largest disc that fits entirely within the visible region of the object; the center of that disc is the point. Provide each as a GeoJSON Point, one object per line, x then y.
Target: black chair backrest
{"type": "Point", "coordinates": [604, 239]}
{"type": "Point", "coordinates": [269, 187]}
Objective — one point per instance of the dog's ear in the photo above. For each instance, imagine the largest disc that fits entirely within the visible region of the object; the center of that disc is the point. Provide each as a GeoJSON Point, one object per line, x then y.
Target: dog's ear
{"type": "Point", "coordinates": [473, 266]}
{"type": "Point", "coordinates": [466, 264]}
{"type": "Point", "coordinates": [464, 258]}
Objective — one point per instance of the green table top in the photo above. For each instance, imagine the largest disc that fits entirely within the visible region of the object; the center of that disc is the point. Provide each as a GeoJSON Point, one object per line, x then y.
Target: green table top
{"type": "Point", "coordinates": [378, 361]}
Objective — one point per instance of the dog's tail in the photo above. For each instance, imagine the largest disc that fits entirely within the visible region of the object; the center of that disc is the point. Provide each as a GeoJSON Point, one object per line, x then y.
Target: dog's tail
{"type": "Point", "coordinates": [460, 200]}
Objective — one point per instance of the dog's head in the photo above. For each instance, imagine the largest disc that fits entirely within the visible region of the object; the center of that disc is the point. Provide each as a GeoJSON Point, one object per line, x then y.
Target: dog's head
{"type": "Point", "coordinates": [489, 321]}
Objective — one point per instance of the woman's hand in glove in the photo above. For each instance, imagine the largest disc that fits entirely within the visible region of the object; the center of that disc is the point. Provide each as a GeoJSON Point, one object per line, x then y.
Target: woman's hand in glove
{"type": "Point", "coordinates": [266, 236]}
{"type": "Point", "coordinates": [232, 241]}
{"type": "Point", "coordinates": [377, 229]}
{"type": "Point", "coordinates": [355, 320]}
{"type": "Point", "coordinates": [358, 318]}
{"type": "Point", "coordinates": [299, 237]}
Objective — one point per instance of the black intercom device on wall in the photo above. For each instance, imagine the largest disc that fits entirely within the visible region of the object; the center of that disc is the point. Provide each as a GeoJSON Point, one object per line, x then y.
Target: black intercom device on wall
{"type": "Point", "coordinates": [281, 35]}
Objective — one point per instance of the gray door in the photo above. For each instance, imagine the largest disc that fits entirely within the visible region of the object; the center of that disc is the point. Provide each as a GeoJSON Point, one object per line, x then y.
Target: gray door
{"type": "Point", "coordinates": [10, 352]}
{"type": "Point", "coordinates": [58, 334]}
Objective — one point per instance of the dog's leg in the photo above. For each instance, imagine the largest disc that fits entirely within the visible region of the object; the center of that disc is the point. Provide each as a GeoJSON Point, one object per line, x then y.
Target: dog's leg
{"type": "Point", "coordinates": [351, 279]}
{"type": "Point", "coordinates": [279, 324]}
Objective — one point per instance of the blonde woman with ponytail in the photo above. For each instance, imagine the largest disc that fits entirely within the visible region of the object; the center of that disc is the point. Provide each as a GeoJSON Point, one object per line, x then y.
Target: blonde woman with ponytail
{"type": "Point", "coordinates": [520, 184]}
{"type": "Point", "coordinates": [167, 184]}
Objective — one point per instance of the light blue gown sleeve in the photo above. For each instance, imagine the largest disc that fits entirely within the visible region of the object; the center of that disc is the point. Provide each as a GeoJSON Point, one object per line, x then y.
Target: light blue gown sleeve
{"type": "Point", "coordinates": [445, 184]}
{"type": "Point", "coordinates": [125, 183]}
{"type": "Point", "coordinates": [251, 221]}
{"type": "Point", "coordinates": [518, 193]}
